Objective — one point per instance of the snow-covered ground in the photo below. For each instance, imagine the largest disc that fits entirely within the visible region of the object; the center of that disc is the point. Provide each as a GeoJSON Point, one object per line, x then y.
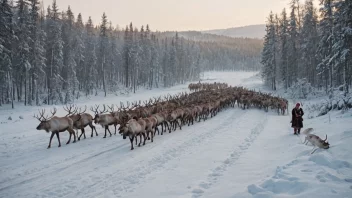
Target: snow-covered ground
{"type": "Point", "coordinates": [238, 153]}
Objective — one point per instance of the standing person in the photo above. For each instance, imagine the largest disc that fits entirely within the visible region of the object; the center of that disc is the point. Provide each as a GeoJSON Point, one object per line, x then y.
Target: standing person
{"type": "Point", "coordinates": [297, 119]}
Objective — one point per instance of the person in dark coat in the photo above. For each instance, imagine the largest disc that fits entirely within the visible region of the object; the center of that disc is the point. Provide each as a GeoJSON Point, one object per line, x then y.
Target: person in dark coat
{"type": "Point", "coordinates": [297, 119]}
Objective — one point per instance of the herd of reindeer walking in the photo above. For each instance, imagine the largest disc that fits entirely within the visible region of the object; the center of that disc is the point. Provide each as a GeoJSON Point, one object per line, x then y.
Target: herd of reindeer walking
{"type": "Point", "coordinates": [170, 112]}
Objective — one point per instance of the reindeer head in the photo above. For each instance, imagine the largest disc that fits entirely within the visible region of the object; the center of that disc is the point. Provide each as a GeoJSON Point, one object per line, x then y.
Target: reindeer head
{"type": "Point", "coordinates": [123, 129]}
{"type": "Point", "coordinates": [97, 116]}
{"type": "Point", "coordinates": [44, 121]}
{"type": "Point", "coordinates": [325, 143]}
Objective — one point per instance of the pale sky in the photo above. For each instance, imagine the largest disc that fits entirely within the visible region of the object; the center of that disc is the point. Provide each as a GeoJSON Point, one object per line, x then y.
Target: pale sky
{"type": "Point", "coordinates": [177, 15]}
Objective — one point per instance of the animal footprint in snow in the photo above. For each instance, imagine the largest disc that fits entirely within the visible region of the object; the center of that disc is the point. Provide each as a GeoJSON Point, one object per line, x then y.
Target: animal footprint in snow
{"type": "Point", "coordinates": [205, 185]}
{"type": "Point", "coordinates": [197, 191]}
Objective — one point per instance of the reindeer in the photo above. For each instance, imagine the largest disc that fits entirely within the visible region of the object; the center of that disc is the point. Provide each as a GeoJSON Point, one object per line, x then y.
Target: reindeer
{"type": "Point", "coordinates": [161, 120]}
{"type": "Point", "coordinates": [315, 140]}
{"type": "Point", "coordinates": [105, 120]}
{"type": "Point", "coordinates": [151, 123]}
{"type": "Point", "coordinates": [81, 120]}
{"type": "Point", "coordinates": [55, 125]}
{"type": "Point", "coordinates": [173, 118]}
{"type": "Point", "coordinates": [132, 129]}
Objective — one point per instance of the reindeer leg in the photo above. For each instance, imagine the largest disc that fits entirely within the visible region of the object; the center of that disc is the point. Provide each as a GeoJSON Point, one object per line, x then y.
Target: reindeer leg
{"type": "Point", "coordinates": [79, 137]}
{"type": "Point", "coordinates": [93, 127]}
{"type": "Point", "coordinates": [115, 128]}
{"type": "Point", "coordinates": [147, 134]}
{"type": "Point", "coordinates": [152, 136]}
{"type": "Point", "coordinates": [140, 139]}
{"type": "Point", "coordinates": [69, 139]}
{"type": "Point", "coordinates": [151, 133]}
{"type": "Point", "coordinates": [96, 133]}
{"type": "Point", "coordinates": [58, 138]}
{"type": "Point", "coordinates": [179, 124]}
{"type": "Point", "coordinates": [162, 130]}
{"type": "Point", "coordinates": [84, 133]}
{"type": "Point", "coordinates": [109, 131]}
{"type": "Point", "coordinates": [51, 137]}
{"type": "Point", "coordinates": [106, 128]}
{"type": "Point", "coordinates": [145, 139]}
{"type": "Point", "coordinates": [172, 126]}
{"type": "Point", "coordinates": [136, 139]}
{"type": "Point", "coordinates": [167, 125]}
{"type": "Point", "coordinates": [131, 140]}
{"type": "Point", "coordinates": [156, 128]}
{"type": "Point", "coordinates": [72, 132]}
{"type": "Point", "coordinates": [313, 150]}
{"type": "Point", "coordinates": [91, 135]}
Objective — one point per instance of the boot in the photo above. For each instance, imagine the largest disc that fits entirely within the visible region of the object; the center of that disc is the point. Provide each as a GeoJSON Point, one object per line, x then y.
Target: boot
{"type": "Point", "coordinates": [299, 131]}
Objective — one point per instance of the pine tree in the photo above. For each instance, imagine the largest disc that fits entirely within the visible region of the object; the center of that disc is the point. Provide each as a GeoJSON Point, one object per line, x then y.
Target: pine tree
{"type": "Point", "coordinates": [341, 56]}
{"type": "Point", "coordinates": [37, 56]}
{"type": "Point", "coordinates": [103, 36]}
{"type": "Point", "coordinates": [269, 53]}
{"type": "Point", "coordinates": [284, 67]}
{"type": "Point", "coordinates": [6, 53]}
{"type": "Point", "coordinates": [79, 48]}
{"type": "Point", "coordinates": [325, 67]}
{"type": "Point", "coordinates": [90, 62]}
{"type": "Point", "coordinates": [54, 49]}
{"type": "Point", "coordinates": [309, 35]}
{"type": "Point", "coordinates": [292, 47]}
{"type": "Point", "coordinates": [21, 63]}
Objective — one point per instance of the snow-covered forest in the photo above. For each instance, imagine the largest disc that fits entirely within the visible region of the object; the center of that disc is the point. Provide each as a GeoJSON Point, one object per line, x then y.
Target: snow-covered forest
{"type": "Point", "coordinates": [310, 46]}
{"type": "Point", "coordinates": [51, 56]}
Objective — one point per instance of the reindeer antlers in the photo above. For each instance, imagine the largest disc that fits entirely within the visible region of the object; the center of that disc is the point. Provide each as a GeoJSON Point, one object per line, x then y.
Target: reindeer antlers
{"type": "Point", "coordinates": [80, 111]}
{"type": "Point", "coordinates": [111, 108]}
{"type": "Point", "coordinates": [95, 109]}
{"type": "Point", "coordinates": [69, 109]}
{"type": "Point", "coordinates": [41, 113]}
{"type": "Point", "coordinates": [42, 118]}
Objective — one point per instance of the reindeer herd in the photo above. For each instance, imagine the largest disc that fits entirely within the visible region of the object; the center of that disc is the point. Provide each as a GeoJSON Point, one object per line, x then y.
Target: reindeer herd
{"type": "Point", "coordinates": [157, 115]}
{"type": "Point", "coordinates": [206, 86]}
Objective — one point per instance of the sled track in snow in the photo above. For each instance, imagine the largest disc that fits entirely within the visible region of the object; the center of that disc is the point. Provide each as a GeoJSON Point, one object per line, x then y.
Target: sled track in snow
{"type": "Point", "coordinates": [238, 150]}
{"type": "Point", "coordinates": [41, 175]}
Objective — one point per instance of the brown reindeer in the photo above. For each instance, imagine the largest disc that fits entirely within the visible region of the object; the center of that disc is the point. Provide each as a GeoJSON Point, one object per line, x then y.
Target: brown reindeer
{"type": "Point", "coordinates": [132, 129]}
{"type": "Point", "coordinates": [105, 120]}
{"type": "Point", "coordinates": [81, 120]}
{"type": "Point", "coordinates": [150, 127]}
{"type": "Point", "coordinates": [55, 125]}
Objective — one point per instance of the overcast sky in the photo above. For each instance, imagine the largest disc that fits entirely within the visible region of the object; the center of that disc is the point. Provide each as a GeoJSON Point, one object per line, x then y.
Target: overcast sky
{"type": "Point", "coordinates": [176, 14]}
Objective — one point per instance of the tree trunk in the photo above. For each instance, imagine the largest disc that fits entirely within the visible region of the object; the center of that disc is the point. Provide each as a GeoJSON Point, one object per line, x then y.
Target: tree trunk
{"type": "Point", "coordinates": [102, 67]}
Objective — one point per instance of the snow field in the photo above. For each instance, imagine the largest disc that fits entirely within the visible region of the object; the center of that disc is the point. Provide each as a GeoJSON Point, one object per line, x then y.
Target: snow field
{"type": "Point", "coordinates": [238, 153]}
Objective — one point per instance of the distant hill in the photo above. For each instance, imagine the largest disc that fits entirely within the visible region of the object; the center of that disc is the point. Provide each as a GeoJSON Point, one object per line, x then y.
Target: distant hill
{"type": "Point", "coordinates": [206, 37]}
{"type": "Point", "coordinates": [251, 31]}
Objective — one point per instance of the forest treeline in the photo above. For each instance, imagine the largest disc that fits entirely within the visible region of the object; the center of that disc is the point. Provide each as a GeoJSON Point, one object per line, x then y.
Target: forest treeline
{"type": "Point", "coordinates": [51, 56]}
{"type": "Point", "coordinates": [310, 47]}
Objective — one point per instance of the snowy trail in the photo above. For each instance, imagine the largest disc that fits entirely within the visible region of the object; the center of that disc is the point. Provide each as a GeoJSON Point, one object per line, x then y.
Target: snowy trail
{"type": "Point", "coordinates": [123, 169]}
{"type": "Point", "coordinates": [238, 153]}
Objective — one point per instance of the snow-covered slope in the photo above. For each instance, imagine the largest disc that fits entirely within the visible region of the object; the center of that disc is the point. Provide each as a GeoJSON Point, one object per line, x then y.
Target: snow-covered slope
{"type": "Point", "coordinates": [238, 153]}
{"type": "Point", "coordinates": [250, 31]}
